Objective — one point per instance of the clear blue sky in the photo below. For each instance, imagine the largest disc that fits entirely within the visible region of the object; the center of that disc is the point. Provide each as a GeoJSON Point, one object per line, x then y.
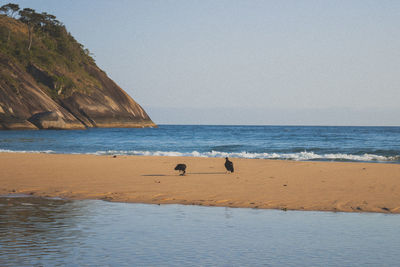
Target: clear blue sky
{"type": "Point", "coordinates": [246, 62]}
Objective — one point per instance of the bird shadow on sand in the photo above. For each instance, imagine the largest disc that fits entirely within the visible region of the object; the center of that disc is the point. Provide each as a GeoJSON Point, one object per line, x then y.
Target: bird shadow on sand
{"type": "Point", "coordinates": [157, 175]}
{"type": "Point", "coordinates": [206, 173]}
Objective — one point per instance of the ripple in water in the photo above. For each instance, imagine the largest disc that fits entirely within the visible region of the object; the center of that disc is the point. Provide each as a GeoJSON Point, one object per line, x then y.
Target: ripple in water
{"type": "Point", "coordinates": [35, 231]}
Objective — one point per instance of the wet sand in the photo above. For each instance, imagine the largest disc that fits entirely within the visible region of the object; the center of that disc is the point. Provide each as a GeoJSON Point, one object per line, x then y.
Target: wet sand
{"type": "Point", "coordinates": [256, 183]}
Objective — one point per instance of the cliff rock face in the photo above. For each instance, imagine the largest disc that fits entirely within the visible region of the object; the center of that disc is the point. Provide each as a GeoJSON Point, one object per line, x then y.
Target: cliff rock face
{"type": "Point", "coordinates": [57, 85]}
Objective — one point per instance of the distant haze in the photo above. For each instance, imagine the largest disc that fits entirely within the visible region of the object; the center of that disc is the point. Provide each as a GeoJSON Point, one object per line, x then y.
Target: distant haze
{"type": "Point", "coordinates": [246, 62]}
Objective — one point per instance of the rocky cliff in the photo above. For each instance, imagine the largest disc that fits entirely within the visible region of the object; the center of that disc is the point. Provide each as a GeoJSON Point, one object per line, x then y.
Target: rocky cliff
{"type": "Point", "coordinates": [49, 81]}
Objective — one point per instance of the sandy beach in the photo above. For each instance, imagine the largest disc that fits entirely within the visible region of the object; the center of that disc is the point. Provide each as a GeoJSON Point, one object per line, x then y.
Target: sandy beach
{"type": "Point", "coordinates": [256, 183]}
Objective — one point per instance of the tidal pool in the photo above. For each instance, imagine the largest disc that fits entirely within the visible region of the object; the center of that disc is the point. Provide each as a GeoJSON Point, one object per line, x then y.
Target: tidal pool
{"type": "Point", "coordinates": [55, 232]}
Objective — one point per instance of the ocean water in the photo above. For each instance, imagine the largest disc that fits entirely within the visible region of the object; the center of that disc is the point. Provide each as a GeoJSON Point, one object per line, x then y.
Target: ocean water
{"type": "Point", "coordinates": [56, 232]}
{"type": "Point", "coordinates": [51, 232]}
{"type": "Point", "coordinates": [367, 144]}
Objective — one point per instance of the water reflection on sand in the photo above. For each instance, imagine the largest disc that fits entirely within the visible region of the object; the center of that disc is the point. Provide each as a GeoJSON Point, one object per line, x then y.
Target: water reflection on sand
{"type": "Point", "coordinates": [37, 229]}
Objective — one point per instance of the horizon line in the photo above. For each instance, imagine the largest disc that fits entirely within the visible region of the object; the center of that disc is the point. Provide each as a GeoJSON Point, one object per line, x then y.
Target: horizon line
{"type": "Point", "coordinates": [274, 125]}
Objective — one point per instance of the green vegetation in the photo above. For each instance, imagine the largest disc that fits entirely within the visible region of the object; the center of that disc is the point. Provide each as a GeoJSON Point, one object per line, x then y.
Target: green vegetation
{"type": "Point", "coordinates": [28, 38]}
{"type": "Point", "coordinates": [10, 82]}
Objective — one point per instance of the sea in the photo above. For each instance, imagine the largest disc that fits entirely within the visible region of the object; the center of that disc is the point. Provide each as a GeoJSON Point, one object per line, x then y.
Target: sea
{"type": "Point", "coordinates": [304, 143]}
{"type": "Point", "coordinates": [60, 232]}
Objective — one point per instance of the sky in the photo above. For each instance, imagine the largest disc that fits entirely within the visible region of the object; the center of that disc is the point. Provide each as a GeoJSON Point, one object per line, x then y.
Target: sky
{"type": "Point", "coordinates": [246, 62]}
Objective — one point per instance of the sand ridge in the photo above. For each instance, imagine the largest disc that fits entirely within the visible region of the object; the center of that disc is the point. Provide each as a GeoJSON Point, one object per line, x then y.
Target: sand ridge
{"type": "Point", "coordinates": [256, 183]}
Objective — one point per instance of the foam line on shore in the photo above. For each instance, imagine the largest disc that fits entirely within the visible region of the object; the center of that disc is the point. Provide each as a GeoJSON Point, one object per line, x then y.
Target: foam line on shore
{"type": "Point", "coordinates": [299, 156]}
{"type": "Point", "coordinates": [27, 151]}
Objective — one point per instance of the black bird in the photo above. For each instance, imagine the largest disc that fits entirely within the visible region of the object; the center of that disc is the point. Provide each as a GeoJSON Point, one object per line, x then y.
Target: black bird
{"type": "Point", "coordinates": [181, 168]}
{"type": "Point", "coordinates": [228, 165]}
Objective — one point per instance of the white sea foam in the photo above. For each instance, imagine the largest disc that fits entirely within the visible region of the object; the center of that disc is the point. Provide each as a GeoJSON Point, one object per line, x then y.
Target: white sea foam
{"type": "Point", "coordinates": [26, 151]}
{"type": "Point", "coordinates": [300, 156]}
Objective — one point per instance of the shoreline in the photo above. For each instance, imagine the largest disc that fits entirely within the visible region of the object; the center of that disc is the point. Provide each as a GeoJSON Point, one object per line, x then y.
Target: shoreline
{"type": "Point", "coordinates": [218, 154]}
{"type": "Point", "coordinates": [257, 183]}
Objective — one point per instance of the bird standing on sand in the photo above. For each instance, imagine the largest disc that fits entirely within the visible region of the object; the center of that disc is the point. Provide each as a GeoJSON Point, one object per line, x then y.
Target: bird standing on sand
{"type": "Point", "coordinates": [228, 165]}
{"type": "Point", "coordinates": [181, 168]}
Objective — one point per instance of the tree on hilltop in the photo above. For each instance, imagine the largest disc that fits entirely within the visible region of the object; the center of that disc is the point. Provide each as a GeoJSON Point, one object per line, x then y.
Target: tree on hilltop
{"type": "Point", "coordinates": [9, 9]}
{"type": "Point", "coordinates": [44, 22]}
{"type": "Point", "coordinates": [44, 31]}
{"type": "Point", "coordinates": [50, 24]}
{"type": "Point", "coordinates": [32, 20]}
{"type": "Point", "coordinates": [50, 19]}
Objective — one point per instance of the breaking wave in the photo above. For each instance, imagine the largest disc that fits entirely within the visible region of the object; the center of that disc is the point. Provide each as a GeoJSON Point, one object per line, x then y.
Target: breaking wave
{"type": "Point", "coordinates": [300, 156]}
{"type": "Point", "coordinates": [27, 151]}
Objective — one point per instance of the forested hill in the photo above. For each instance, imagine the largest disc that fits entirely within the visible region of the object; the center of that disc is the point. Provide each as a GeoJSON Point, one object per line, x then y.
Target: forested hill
{"type": "Point", "coordinates": [49, 81]}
